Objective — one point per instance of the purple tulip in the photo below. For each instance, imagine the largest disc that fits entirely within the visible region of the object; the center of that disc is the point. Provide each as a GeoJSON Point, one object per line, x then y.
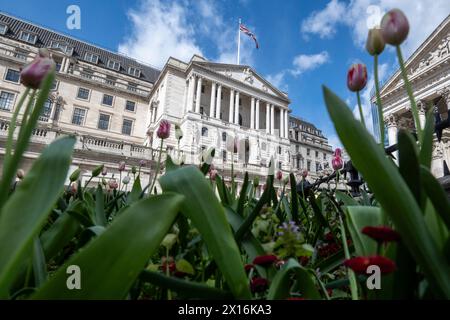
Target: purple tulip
{"type": "Point", "coordinates": [394, 27]}
{"type": "Point", "coordinates": [33, 74]}
{"type": "Point", "coordinates": [163, 130]}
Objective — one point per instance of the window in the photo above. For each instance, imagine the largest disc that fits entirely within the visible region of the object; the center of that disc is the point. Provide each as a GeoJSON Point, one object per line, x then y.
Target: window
{"type": "Point", "coordinates": [28, 37]}
{"type": "Point", "coordinates": [324, 156]}
{"type": "Point", "coordinates": [63, 46]}
{"type": "Point", "coordinates": [130, 106]}
{"type": "Point", "coordinates": [224, 136]}
{"type": "Point", "coordinates": [279, 165]}
{"type": "Point", "coordinates": [107, 100]}
{"type": "Point", "coordinates": [83, 93]}
{"type": "Point", "coordinates": [318, 167]}
{"type": "Point", "coordinates": [279, 150]}
{"type": "Point", "coordinates": [126, 126]}
{"type": "Point", "coordinates": [46, 110]}
{"type": "Point", "coordinates": [12, 75]}
{"type": "Point", "coordinates": [132, 86]}
{"type": "Point", "coordinates": [204, 131]}
{"type": "Point", "coordinates": [6, 100]}
{"type": "Point", "coordinates": [54, 85]}
{"type": "Point", "coordinates": [57, 112]}
{"type": "Point", "coordinates": [308, 152]}
{"type": "Point", "coordinates": [3, 28]}
{"type": "Point", "coordinates": [203, 88]}
{"type": "Point", "coordinates": [297, 148]}
{"type": "Point", "coordinates": [78, 116]}
{"type": "Point", "coordinates": [308, 165]}
{"type": "Point", "coordinates": [114, 65]}
{"type": "Point", "coordinates": [224, 155]}
{"type": "Point", "coordinates": [317, 154]}
{"type": "Point", "coordinates": [134, 72]}
{"type": "Point", "coordinates": [90, 57]}
{"type": "Point", "coordinates": [103, 121]}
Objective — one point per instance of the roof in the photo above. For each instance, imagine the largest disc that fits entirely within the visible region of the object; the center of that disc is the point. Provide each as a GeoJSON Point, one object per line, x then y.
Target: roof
{"type": "Point", "coordinates": [304, 123]}
{"type": "Point", "coordinates": [46, 36]}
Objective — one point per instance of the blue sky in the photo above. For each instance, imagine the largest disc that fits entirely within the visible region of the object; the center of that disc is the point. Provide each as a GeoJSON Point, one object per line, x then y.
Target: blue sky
{"type": "Point", "coordinates": [303, 44]}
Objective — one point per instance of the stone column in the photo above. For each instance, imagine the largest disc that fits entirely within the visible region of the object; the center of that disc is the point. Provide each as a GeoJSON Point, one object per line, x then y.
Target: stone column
{"type": "Point", "coordinates": [190, 97]}
{"type": "Point", "coordinates": [281, 123]}
{"type": "Point", "coordinates": [267, 117]}
{"type": "Point", "coordinates": [236, 108]}
{"type": "Point", "coordinates": [257, 115]}
{"type": "Point", "coordinates": [252, 114]}
{"type": "Point", "coordinates": [213, 100]}
{"type": "Point", "coordinates": [199, 95]}
{"type": "Point", "coordinates": [272, 119]}
{"type": "Point", "coordinates": [219, 101]}
{"type": "Point", "coordinates": [231, 111]}
{"type": "Point", "coordinates": [421, 106]}
{"type": "Point", "coordinates": [392, 123]}
{"type": "Point", "coordinates": [286, 124]}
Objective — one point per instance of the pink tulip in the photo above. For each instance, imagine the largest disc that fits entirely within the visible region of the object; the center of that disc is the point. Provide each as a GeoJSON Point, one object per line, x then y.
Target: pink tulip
{"type": "Point", "coordinates": [33, 74]}
{"type": "Point", "coordinates": [213, 174]}
{"type": "Point", "coordinates": [122, 165]}
{"type": "Point", "coordinates": [394, 27]}
{"type": "Point", "coordinates": [104, 171]}
{"type": "Point", "coordinates": [337, 163]}
{"type": "Point", "coordinates": [113, 184]}
{"type": "Point", "coordinates": [163, 130]}
{"type": "Point", "coordinates": [338, 152]}
{"type": "Point", "coordinates": [279, 175]}
{"type": "Point", "coordinates": [357, 77]}
{"type": "Point", "coordinates": [304, 173]}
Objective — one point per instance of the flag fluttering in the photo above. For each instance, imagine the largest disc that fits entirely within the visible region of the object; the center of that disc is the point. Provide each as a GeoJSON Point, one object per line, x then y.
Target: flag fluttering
{"type": "Point", "coordinates": [245, 30]}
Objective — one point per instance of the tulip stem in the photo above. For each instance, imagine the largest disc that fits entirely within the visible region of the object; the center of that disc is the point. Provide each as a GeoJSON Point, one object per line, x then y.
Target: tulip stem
{"type": "Point", "coordinates": [361, 115]}
{"type": "Point", "coordinates": [408, 87]}
{"type": "Point", "coordinates": [351, 274]}
{"type": "Point", "coordinates": [379, 105]}
{"type": "Point", "coordinates": [157, 166]}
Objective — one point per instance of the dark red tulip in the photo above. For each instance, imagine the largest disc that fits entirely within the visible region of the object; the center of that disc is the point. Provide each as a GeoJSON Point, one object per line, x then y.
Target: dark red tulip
{"type": "Point", "coordinates": [265, 260]}
{"type": "Point", "coordinates": [381, 234]}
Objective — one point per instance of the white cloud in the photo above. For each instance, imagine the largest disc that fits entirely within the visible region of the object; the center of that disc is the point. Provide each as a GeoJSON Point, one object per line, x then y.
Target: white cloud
{"type": "Point", "coordinates": [334, 141]}
{"type": "Point", "coordinates": [305, 62]}
{"type": "Point", "coordinates": [424, 16]}
{"type": "Point", "coordinates": [160, 30]}
{"type": "Point", "coordinates": [277, 80]}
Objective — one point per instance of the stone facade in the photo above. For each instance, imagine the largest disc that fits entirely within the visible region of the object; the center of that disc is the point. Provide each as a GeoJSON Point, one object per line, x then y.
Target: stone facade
{"type": "Point", "coordinates": [429, 72]}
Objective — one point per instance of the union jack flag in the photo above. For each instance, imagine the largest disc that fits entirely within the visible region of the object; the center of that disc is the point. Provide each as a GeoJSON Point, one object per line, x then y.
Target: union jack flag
{"type": "Point", "coordinates": [245, 30]}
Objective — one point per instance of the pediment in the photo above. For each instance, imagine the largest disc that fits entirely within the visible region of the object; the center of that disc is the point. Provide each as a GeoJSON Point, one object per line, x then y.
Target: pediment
{"type": "Point", "coordinates": [245, 75]}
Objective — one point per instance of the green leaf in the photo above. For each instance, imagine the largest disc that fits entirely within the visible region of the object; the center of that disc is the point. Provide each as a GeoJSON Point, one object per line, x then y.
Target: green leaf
{"type": "Point", "coordinates": [184, 266]}
{"type": "Point", "coordinates": [346, 199]}
{"type": "Point", "coordinates": [294, 198]}
{"type": "Point", "coordinates": [391, 192]}
{"type": "Point", "coordinates": [223, 190]}
{"type": "Point", "coordinates": [427, 142]}
{"type": "Point", "coordinates": [39, 263]}
{"type": "Point", "coordinates": [409, 163]}
{"type": "Point", "coordinates": [281, 284]}
{"type": "Point", "coordinates": [202, 207]}
{"type": "Point", "coordinates": [27, 209]}
{"type": "Point", "coordinates": [111, 262]}
{"type": "Point", "coordinates": [100, 216]}
{"type": "Point", "coordinates": [359, 217]}
{"type": "Point", "coordinates": [242, 196]}
{"type": "Point", "coordinates": [191, 290]}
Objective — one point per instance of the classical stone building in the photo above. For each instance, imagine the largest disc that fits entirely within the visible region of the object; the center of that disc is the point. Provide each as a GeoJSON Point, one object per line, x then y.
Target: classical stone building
{"type": "Point", "coordinates": [309, 148]}
{"type": "Point", "coordinates": [429, 72]}
{"type": "Point", "coordinates": [114, 105]}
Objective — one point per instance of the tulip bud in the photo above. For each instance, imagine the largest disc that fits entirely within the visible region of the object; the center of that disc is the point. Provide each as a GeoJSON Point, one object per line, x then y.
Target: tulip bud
{"type": "Point", "coordinates": [113, 184]}
{"type": "Point", "coordinates": [75, 175]}
{"type": "Point", "coordinates": [104, 171]}
{"type": "Point", "coordinates": [256, 182]}
{"type": "Point", "coordinates": [133, 169]}
{"type": "Point", "coordinates": [104, 182]}
{"type": "Point", "coordinates": [122, 165]}
{"type": "Point", "coordinates": [357, 77]}
{"type": "Point", "coordinates": [97, 170]}
{"type": "Point", "coordinates": [304, 173]}
{"type": "Point", "coordinates": [33, 74]}
{"type": "Point", "coordinates": [163, 130]}
{"type": "Point", "coordinates": [20, 174]}
{"type": "Point", "coordinates": [73, 188]}
{"type": "Point", "coordinates": [126, 180]}
{"type": "Point", "coordinates": [142, 163]}
{"type": "Point", "coordinates": [337, 163]}
{"type": "Point", "coordinates": [394, 27]}
{"type": "Point", "coordinates": [178, 132]}
{"type": "Point", "coordinates": [213, 174]}
{"type": "Point", "coordinates": [375, 42]}
{"type": "Point", "coordinates": [279, 175]}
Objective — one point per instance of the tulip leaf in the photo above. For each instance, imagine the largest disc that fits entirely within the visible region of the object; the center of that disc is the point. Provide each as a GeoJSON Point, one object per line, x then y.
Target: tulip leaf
{"type": "Point", "coordinates": [27, 209]}
{"type": "Point", "coordinates": [242, 196]}
{"type": "Point", "coordinates": [202, 207]}
{"type": "Point", "coordinates": [100, 216]}
{"type": "Point", "coordinates": [426, 144]}
{"type": "Point", "coordinates": [39, 263]}
{"type": "Point", "coordinates": [294, 198]}
{"type": "Point", "coordinates": [110, 263]}
{"type": "Point", "coordinates": [391, 191]}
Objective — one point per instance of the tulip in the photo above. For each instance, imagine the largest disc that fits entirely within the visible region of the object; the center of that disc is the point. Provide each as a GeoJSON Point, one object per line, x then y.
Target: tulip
{"type": "Point", "coordinates": [304, 174]}
{"type": "Point", "coordinates": [133, 169]}
{"type": "Point", "coordinates": [122, 165]}
{"type": "Point", "coordinates": [33, 74]}
{"type": "Point", "coordinates": [375, 42]}
{"type": "Point", "coordinates": [20, 174]}
{"type": "Point", "coordinates": [394, 27]}
{"type": "Point", "coordinates": [104, 171]}
{"type": "Point", "coordinates": [338, 152]}
{"type": "Point", "coordinates": [357, 77]}
{"type": "Point", "coordinates": [142, 163]}
{"type": "Point", "coordinates": [360, 264]}
{"type": "Point", "coordinates": [178, 132]}
{"type": "Point", "coordinates": [212, 174]}
{"type": "Point", "coordinates": [265, 260]}
{"type": "Point", "coordinates": [97, 170]}
{"type": "Point", "coordinates": [279, 175]}
{"type": "Point", "coordinates": [258, 284]}
{"type": "Point", "coordinates": [113, 184]}
{"type": "Point", "coordinates": [104, 182]}
{"type": "Point", "coordinates": [75, 175]}
{"type": "Point", "coordinates": [248, 267]}
{"type": "Point", "coordinates": [381, 234]}
{"type": "Point", "coordinates": [73, 188]}
{"type": "Point", "coordinates": [337, 163]}
{"type": "Point", "coordinates": [163, 130]}
{"type": "Point", "coordinates": [126, 180]}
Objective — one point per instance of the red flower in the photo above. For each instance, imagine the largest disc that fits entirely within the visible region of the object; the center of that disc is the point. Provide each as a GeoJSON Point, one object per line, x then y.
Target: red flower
{"type": "Point", "coordinates": [329, 237]}
{"type": "Point", "coordinates": [381, 234]}
{"type": "Point", "coordinates": [163, 130]}
{"type": "Point", "coordinates": [259, 284]}
{"type": "Point", "coordinates": [337, 163]}
{"type": "Point", "coordinates": [303, 260]}
{"type": "Point", "coordinates": [357, 77]}
{"type": "Point", "coordinates": [265, 260]}
{"type": "Point", "coordinates": [248, 267]}
{"type": "Point", "coordinates": [279, 175]}
{"type": "Point", "coordinates": [168, 265]}
{"type": "Point", "coordinates": [360, 264]}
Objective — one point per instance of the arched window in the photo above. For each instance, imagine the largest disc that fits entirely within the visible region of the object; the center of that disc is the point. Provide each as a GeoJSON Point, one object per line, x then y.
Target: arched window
{"type": "Point", "coordinates": [204, 131]}
{"type": "Point", "coordinates": [224, 136]}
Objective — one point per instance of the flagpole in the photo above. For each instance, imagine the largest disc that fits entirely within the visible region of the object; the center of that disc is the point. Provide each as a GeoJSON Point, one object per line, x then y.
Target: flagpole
{"type": "Point", "coordinates": [239, 42]}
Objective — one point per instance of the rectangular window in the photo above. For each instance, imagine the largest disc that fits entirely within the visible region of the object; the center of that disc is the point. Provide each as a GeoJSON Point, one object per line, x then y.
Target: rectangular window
{"type": "Point", "coordinates": [78, 116]}
{"type": "Point", "coordinates": [114, 65]}
{"type": "Point", "coordinates": [224, 155]}
{"type": "Point", "coordinates": [130, 106]}
{"type": "Point", "coordinates": [12, 75]}
{"type": "Point", "coordinates": [46, 110]}
{"type": "Point", "coordinates": [297, 148]}
{"type": "Point", "coordinates": [103, 121]}
{"type": "Point", "coordinates": [324, 156]}
{"type": "Point", "coordinates": [90, 57]}
{"type": "Point", "coordinates": [308, 152]}
{"type": "Point", "coordinates": [203, 88]}
{"type": "Point", "coordinates": [28, 37]}
{"type": "Point", "coordinates": [127, 125]}
{"type": "Point", "coordinates": [317, 154]}
{"type": "Point", "coordinates": [134, 72]}
{"type": "Point", "coordinates": [3, 28]}
{"type": "Point", "coordinates": [54, 85]}
{"type": "Point", "coordinates": [83, 93]}
{"type": "Point", "coordinates": [63, 46]}
{"type": "Point", "coordinates": [317, 167]}
{"type": "Point", "coordinates": [308, 165]}
{"type": "Point", "coordinates": [107, 100]}
{"type": "Point", "coordinates": [6, 100]}
{"type": "Point", "coordinates": [111, 80]}
{"type": "Point", "coordinates": [279, 165]}
{"type": "Point", "coordinates": [132, 87]}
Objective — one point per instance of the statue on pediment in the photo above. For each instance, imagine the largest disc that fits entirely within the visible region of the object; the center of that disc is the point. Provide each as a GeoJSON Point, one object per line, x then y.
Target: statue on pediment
{"type": "Point", "coordinates": [248, 76]}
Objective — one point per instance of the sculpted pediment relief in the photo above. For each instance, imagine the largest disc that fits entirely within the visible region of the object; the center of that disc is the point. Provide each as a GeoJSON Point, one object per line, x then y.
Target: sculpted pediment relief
{"type": "Point", "coordinates": [438, 53]}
